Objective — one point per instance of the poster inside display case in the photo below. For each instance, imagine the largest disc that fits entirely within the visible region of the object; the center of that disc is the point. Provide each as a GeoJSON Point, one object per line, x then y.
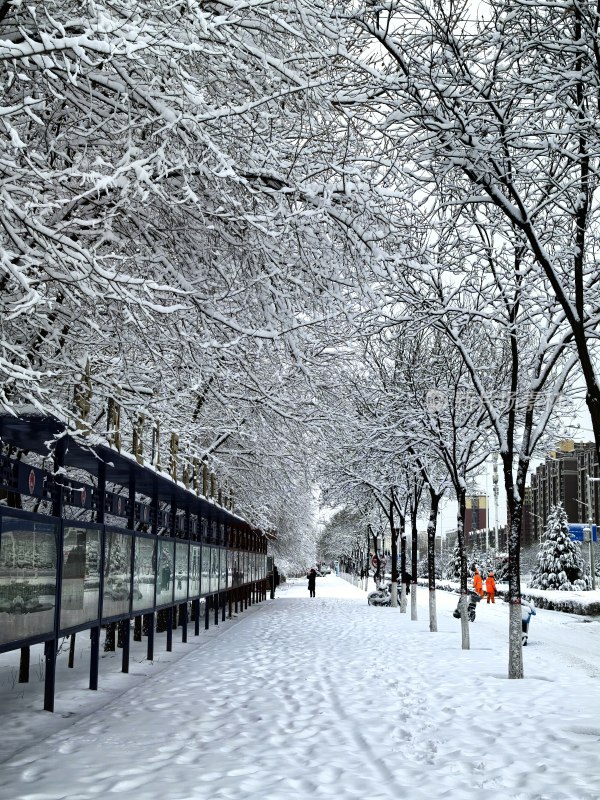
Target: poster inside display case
{"type": "Point", "coordinates": [235, 568]}
{"type": "Point", "coordinates": [144, 573]}
{"type": "Point", "coordinates": [165, 571]}
{"type": "Point", "coordinates": [181, 571]}
{"type": "Point", "coordinates": [195, 566]}
{"type": "Point", "coordinates": [117, 573]}
{"type": "Point", "coordinates": [215, 554]}
{"type": "Point", "coordinates": [223, 571]}
{"type": "Point", "coordinates": [205, 578]}
{"type": "Point", "coordinates": [28, 559]}
{"type": "Point", "coordinates": [80, 589]}
{"type": "Point", "coordinates": [230, 563]}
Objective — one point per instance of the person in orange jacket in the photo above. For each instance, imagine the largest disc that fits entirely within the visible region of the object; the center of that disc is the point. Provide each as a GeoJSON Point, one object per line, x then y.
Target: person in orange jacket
{"type": "Point", "coordinates": [478, 583]}
{"type": "Point", "coordinates": [490, 587]}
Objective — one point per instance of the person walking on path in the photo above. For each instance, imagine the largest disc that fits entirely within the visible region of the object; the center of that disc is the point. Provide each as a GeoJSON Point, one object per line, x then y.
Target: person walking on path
{"type": "Point", "coordinates": [478, 583]}
{"type": "Point", "coordinates": [312, 581]}
{"type": "Point", "coordinates": [490, 588]}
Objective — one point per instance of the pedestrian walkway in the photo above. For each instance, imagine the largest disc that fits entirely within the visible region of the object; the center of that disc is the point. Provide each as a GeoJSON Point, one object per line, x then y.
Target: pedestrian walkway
{"type": "Point", "coordinates": [324, 698]}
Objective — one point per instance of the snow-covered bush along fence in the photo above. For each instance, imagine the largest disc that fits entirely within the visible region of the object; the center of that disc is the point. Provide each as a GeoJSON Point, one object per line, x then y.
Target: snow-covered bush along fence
{"type": "Point", "coordinates": [558, 600]}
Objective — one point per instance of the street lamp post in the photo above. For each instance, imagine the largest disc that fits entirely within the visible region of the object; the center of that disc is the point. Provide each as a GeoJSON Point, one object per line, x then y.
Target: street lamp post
{"type": "Point", "coordinates": [587, 531]}
{"type": "Point", "coordinates": [495, 491]}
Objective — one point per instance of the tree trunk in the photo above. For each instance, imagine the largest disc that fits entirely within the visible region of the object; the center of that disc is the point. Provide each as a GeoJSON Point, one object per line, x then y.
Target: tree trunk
{"type": "Point", "coordinates": [461, 494]}
{"type": "Point", "coordinates": [403, 567]}
{"type": "Point", "coordinates": [394, 601]}
{"type": "Point", "coordinates": [414, 545]}
{"type": "Point", "coordinates": [431, 526]}
{"type": "Point", "coordinates": [377, 575]}
{"type": "Point", "coordinates": [514, 495]}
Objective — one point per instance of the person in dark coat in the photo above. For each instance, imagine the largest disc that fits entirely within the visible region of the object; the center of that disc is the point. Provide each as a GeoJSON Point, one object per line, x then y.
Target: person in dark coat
{"type": "Point", "coordinates": [312, 581]}
{"type": "Point", "coordinates": [407, 580]}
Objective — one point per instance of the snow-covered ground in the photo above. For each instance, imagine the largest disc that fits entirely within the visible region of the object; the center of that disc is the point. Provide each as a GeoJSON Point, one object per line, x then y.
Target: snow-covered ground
{"type": "Point", "coordinates": [318, 698]}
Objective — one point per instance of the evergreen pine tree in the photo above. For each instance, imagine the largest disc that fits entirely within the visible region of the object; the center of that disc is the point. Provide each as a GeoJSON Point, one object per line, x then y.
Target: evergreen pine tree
{"type": "Point", "coordinates": [560, 564]}
{"type": "Point", "coordinates": [453, 566]}
{"type": "Point", "coordinates": [477, 559]}
{"type": "Point", "coordinates": [500, 566]}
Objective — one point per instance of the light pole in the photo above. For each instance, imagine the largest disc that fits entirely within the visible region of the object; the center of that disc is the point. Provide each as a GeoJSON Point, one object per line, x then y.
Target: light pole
{"type": "Point", "coordinates": [495, 491]}
{"type": "Point", "coordinates": [587, 531]}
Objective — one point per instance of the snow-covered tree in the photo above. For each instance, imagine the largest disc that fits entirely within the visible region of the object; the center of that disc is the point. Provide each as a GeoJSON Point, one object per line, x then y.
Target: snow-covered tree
{"type": "Point", "coordinates": [560, 564]}
{"type": "Point", "coordinates": [454, 563]}
{"type": "Point", "coordinates": [342, 536]}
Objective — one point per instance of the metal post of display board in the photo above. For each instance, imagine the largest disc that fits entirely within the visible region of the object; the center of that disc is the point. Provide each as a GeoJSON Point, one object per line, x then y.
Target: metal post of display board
{"type": "Point", "coordinates": [50, 647]}
{"type": "Point", "coordinates": [126, 624]}
{"type": "Point", "coordinates": [94, 656]}
{"type": "Point", "coordinates": [216, 606]}
{"type": "Point", "coordinates": [206, 614]}
{"type": "Point", "coordinates": [184, 622]}
{"type": "Point", "coordinates": [50, 674]}
{"type": "Point", "coordinates": [149, 624]}
{"type": "Point", "coordinates": [95, 631]}
{"type": "Point", "coordinates": [169, 629]}
{"type": "Point", "coordinates": [125, 636]}
{"type": "Point", "coordinates": [196, 611]}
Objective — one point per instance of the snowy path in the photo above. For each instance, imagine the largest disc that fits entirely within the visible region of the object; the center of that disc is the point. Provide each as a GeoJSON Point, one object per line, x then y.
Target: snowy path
{"type": "Point", "coordinates": [329, 698]}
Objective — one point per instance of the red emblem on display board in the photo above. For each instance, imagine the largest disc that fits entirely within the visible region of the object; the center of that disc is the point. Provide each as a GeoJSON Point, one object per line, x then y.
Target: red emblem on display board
{"type": "Point", "coordinates": [31, 482]}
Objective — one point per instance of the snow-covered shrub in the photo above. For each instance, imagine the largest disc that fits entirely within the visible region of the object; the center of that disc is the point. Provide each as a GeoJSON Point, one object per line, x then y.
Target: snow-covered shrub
{"type": "Point", "coordinates": [560, 564]}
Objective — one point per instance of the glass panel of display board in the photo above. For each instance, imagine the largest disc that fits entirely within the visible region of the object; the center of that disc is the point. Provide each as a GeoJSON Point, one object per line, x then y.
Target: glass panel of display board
{"type": "Point", "coordinates": [235, 570]}
{"type": "Point", "coordinates": [80, 590]}
{"type": "Point", "coordinates": [182, 550]}
{"type": "Point", "coordinates": [144, 573]}
{"type": "Point", "coordinates": [223, 573]}
{"type": "Point", "coordinates": [117, 573]}
{"type": "Point", "coordinates": [230, 568]}
{"type": "Point", "coordinates": [243, 566]}
{"type": "Point", "coordinates": [214, 569]}
{"type": "Point", "coordinates": [205, 570]}
{"type": "Point", "coordinates": [195, 561]}
{"type": "Point", "coordinates": [28, 556]}
{"type": "Point", "coordinates": [164, 571]}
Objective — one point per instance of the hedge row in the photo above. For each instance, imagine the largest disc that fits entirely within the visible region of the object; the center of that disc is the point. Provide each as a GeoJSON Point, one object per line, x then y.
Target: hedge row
{"type": "Point", "coordinates": [568, 602]}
